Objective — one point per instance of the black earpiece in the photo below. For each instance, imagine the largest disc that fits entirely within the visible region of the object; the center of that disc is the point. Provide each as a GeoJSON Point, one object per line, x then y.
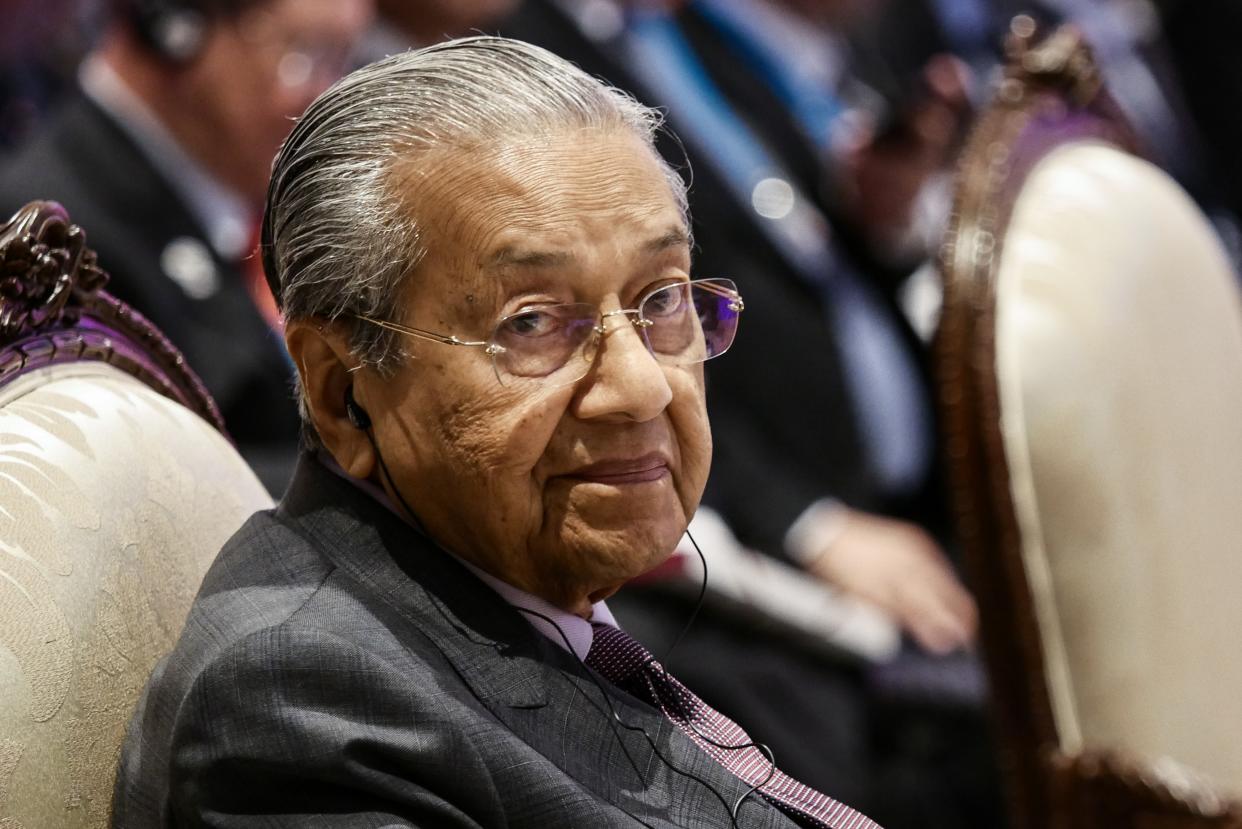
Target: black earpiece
{"type": "Point", "coordinates": [357, 415]}
{"type": "Point", "coordinates": [176, 30]}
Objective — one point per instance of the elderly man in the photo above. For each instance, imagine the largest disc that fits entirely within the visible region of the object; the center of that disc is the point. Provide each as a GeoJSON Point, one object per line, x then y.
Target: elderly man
{"type": "Point", "coordinates": [485, 269]}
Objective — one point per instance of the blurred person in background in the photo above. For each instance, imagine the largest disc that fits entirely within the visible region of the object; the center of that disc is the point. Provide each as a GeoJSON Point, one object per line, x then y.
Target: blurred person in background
{"type": "Point", "coordinates": [40, 44]}
{"type": "Point", "coordinates": [806, 189]}
{"type": "Point", "coordinates": [1170, 67]}
{"type": "Point", "coordinates": [164, 153]}
{"type": "Point", "coordinates": [1168, 64]}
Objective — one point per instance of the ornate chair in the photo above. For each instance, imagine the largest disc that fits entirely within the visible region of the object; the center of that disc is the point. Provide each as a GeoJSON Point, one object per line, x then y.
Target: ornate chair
{"type": "Point", "coordinates": [1089, 370]}
{"type": "Point", "coordinates": [117, 487]}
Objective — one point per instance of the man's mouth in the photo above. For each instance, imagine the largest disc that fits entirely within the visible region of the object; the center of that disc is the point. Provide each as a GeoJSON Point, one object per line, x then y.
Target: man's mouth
{"type": "Point", "coordinates": [650, 467]}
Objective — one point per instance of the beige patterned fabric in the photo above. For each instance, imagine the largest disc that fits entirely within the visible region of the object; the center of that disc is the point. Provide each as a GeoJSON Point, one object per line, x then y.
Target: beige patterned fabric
{"type": "Point", "coordinates": [113, 501]}
{"type": "Point", "coordinates": [1119, 354]}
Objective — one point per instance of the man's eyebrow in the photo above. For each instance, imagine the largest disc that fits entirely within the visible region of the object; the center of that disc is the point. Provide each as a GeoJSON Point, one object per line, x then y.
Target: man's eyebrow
{"type": "Point", "coordinates": [674, 237]}
{"type": "Point", "coordinates": [513, 256]}
{"type": "Point", "coordinates": [509, 256]}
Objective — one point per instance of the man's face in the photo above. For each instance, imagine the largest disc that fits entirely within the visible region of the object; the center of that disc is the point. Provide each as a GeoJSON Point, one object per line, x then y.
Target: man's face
{"type": "Point", "coordinates": [569, 491]}
{"type": "Point", "coordinates": [261, 70]}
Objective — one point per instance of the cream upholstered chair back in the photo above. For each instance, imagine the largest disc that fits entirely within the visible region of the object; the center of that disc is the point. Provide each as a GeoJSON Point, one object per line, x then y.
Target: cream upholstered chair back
{"type": "Point", "coordinates": [1119, 361]}
{"type": "Point", "coordinates": [117, 488]}
{"type": "Point", "coordinates": [1091, 367]}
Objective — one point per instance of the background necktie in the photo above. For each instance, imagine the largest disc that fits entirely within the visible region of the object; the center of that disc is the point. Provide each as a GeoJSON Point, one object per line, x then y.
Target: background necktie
{"type": "Point", "coordinates": [621, 660]}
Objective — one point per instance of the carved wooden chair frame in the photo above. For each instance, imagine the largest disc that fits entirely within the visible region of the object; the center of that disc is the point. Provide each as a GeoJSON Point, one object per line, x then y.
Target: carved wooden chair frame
{"type": "Point", "coordinates": [1051, 93]}
{"type": "Point", "coordinates": [53, 310]}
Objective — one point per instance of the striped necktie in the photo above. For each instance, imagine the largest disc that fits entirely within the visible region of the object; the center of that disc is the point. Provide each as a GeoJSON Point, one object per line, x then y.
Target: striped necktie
{"type": "Point", "coordinates": [617, 657]}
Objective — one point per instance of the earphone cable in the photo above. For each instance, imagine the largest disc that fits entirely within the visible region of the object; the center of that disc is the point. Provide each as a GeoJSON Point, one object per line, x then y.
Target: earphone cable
{"type": "Point", "coordinates": [761, 747]}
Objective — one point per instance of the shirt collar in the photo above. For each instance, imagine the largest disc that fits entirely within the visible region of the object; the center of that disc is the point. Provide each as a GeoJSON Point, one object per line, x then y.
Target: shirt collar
{"type": "Point", "coordinates": [571, 633]}
{"type": "Point", "coordinates": [223, 214]}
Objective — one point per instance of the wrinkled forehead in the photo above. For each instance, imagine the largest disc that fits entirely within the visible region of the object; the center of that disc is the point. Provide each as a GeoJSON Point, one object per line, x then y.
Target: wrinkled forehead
{"type": "Point", "coordinates": [586, 191]}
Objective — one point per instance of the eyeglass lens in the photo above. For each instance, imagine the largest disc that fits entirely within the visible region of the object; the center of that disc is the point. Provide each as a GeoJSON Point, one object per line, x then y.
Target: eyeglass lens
{"type": "Point", "coordinates": [681, 324]}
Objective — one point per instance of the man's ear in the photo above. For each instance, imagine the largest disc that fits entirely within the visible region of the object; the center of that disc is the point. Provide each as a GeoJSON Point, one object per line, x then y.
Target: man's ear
{"type": "Point", "coordinates": [320, 350]}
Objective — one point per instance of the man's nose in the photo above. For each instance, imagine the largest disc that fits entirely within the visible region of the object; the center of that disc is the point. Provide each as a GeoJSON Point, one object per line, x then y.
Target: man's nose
{"type": "Point", "coordinates": [625, 382]}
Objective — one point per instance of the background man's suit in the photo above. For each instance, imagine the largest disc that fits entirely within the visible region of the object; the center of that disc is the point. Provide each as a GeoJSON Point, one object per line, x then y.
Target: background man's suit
{"type": "Point", "coordinates": [84, 160]}
{"type": "Point", "coordinates": [338, 669]}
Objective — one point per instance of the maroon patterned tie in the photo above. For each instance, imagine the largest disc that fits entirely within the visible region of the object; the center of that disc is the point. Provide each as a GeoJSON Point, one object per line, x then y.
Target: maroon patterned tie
{"type": "Point", "coordinates": [617, 657]}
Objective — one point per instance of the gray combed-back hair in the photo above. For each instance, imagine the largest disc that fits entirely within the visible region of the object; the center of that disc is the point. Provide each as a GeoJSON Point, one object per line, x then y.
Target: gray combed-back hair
{"type": "Point", "coordinates": [338, 238]}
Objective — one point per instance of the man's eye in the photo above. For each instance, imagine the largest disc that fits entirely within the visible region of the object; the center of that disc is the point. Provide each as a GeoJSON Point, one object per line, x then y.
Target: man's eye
{"type": "Point", "coordinates": [664, 303]}
{"type": "Point", "coordinates": [529, 324]}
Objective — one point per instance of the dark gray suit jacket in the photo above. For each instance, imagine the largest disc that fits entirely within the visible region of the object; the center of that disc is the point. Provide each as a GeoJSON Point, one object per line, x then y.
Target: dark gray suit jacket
{"type": "Point", "coordinates": [339, 670]}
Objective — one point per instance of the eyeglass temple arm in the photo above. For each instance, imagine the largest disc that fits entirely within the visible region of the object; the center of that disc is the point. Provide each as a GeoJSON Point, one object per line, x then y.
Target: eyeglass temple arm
{"type": "Point", "coordinates": [721, 291]}
{"type": "Point", "coordinates": [418, 332]}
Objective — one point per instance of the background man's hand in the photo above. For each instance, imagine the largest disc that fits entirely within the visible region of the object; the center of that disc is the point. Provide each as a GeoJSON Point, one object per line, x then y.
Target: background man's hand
{"type": "Point", "coordinates": [900, 568]}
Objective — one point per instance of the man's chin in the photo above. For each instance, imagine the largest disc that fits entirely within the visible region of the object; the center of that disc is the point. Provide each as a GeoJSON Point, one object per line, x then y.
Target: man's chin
{"type": "Point", "coordinates": [645, 509]}
{"type": "Point", "coordinates": [608, 559]}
